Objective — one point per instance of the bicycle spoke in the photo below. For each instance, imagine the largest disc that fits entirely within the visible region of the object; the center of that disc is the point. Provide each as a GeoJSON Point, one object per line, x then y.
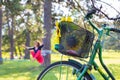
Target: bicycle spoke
{"type": "Point", "coordinates": [61, 71]}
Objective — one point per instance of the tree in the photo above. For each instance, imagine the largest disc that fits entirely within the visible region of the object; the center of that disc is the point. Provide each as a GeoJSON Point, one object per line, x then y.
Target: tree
{"type": "Point", "coordinates": [13, 7]}
{"type": "Point", "coordinates": [47, 27]}
{"type": "Point", "coordinates": [0, 34]}
{"type": "Point", "coordinates": [33, 31]}
{"type": "Point", "coordinates": [12, 47]}
{"type": "Point", "coordinates": [27, 43]}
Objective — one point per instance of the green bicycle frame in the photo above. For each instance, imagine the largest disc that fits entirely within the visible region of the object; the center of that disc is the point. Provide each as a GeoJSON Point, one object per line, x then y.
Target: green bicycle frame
{"type": "Point", "coordinates": [97, 49]}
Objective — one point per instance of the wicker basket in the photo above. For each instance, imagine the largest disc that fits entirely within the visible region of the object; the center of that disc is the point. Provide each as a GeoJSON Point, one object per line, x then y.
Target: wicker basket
{"type": "Point", "coordinates": [74, 40]}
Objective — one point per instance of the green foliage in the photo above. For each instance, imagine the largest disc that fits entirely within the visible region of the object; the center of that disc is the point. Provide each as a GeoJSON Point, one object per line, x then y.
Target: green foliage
{"type": "Point", "coordinates": [23, 21]}
{"type": "Point", "coordinates": [112, 42]}
{"type": "Point", "coordinates": [1, 2]}
{"type": "Point", "coordinates": [14, 6]}
{"type": "Point", "coordinates": [54, 40]}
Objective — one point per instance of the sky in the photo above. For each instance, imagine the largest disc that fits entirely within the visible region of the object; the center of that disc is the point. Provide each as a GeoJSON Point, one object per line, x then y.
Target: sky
{"type": "Point", "coordinates": [112, 13]}
{"type": "Point", "coordinates": [106, 8]}
{"type": "Point", "coordinates": [109, 10]}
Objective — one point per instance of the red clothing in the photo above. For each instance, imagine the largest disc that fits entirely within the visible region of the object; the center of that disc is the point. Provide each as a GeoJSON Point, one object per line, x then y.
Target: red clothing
{"type": "Point", "coordinates": [38, 56]}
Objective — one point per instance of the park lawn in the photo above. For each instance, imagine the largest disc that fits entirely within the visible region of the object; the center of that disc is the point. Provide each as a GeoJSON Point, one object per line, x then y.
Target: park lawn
{"type": "Point", "coordinates": [19, 70]}
{"type": "Point", "coordinates": [29, 70]}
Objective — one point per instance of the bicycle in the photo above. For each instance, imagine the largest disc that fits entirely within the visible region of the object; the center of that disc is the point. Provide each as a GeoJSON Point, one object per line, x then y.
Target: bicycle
{"type": "Point", "coordinates": [74, 70]}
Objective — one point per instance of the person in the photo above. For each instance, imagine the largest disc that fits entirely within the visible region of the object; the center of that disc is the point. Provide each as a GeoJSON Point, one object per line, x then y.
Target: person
{"type": "Point", "coordinates": [36, 52]}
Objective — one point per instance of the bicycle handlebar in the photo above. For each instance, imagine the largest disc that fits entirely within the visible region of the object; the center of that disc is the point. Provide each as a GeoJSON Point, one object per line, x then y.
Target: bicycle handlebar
{"type": "Point", "coordinates": [93, 11]}
{"type": "Point", "coordinates": [115, 30]}
{"type": "Point", "coordinates": [90, 12]}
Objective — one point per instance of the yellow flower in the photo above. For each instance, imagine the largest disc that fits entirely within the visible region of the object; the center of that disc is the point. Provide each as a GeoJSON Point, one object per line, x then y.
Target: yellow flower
{"type": "Point", "coordinates": [69, 19]}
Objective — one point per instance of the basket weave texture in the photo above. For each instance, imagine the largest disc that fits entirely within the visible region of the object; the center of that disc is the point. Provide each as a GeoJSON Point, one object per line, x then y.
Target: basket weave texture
{"type": "Point", "coordinates": [75, 39]}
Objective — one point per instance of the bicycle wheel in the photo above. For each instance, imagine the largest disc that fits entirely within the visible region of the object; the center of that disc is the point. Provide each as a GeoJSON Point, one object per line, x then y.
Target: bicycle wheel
{"type": "Point", "coordinates": [62, 70]}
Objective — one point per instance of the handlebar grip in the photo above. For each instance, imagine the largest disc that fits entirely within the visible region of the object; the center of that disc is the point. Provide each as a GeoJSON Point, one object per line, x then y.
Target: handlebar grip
{"type": "Point", "coordinates": [115, 30]}
{"type": "Point", "coordinates": [92, 11]}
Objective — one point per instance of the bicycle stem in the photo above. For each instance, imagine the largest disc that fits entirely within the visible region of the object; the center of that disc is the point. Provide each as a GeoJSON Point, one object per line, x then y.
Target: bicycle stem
{"type": "Point", "coordinates": [93, 25]}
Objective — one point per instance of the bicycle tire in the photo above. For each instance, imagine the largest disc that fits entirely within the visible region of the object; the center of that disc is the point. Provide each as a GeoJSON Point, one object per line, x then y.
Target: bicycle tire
{"type": "Point", "coordinates": [58, 64]}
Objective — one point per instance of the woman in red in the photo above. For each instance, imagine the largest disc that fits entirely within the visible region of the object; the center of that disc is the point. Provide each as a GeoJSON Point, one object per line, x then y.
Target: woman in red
{"type": "Point", "coordinates": [36, 52]}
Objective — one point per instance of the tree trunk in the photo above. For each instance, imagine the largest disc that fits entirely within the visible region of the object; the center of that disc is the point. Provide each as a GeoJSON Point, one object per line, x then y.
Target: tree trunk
{"type": "Point", "coordinates": [12, 49]}
{"type": "Point", "coordinates": [47, 27]}
{"type": "Point", "coordinates": [9, 30]}
{"type": "Point", "coordinates": [27, 53]}
{"type": "Point", "coordinates": [1, 60]}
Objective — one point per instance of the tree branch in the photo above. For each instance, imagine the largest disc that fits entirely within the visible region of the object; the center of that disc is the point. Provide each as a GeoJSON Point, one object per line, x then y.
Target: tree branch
{"type": "Point", "coordinates": [99, 10]}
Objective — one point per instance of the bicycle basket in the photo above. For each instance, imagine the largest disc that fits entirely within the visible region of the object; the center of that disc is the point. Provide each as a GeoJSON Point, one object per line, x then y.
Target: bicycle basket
{"type": "Point", "coordinates": [74, 40]}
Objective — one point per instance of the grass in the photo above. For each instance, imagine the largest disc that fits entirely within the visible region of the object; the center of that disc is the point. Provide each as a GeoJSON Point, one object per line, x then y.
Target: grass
{"type": "Point", "coordinates": [114, 68]}
{"type": "Point", "coordinates": [29, 70]}
{"type": "Point", "coordinates": [19, 70]}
